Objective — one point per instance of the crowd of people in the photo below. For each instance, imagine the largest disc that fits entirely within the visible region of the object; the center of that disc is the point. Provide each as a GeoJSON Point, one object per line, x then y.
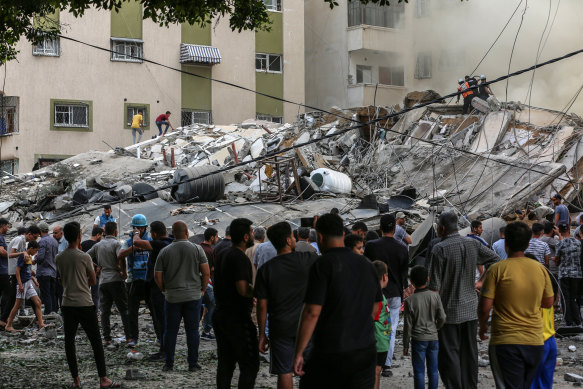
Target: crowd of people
{"type": "Point", "coordinates": [317, 299]}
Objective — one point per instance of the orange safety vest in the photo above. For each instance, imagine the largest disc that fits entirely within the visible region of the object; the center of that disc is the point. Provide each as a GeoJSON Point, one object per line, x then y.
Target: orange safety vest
{"type": "Point", "coordinates": [465, 87]}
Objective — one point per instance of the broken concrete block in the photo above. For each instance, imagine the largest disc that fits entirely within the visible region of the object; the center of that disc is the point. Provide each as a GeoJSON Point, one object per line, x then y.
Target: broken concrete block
{"type": "Point", "coordinates": [257, 148]}
{"type": "Point", "coordinates": [570, 377]}
{"type": "Point", "coordinates": [492, 131]}
{"type": "Point", "coordinates": [134, 374]}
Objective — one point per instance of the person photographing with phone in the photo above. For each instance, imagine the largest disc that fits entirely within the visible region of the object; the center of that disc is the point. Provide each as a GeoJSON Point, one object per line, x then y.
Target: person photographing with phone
{"type": "Point", "coordinates": [136, 255]}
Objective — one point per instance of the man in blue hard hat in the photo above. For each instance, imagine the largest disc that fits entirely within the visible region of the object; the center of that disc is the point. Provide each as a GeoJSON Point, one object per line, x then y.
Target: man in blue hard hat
{"type": "Point", "coordinates": [137, 254]}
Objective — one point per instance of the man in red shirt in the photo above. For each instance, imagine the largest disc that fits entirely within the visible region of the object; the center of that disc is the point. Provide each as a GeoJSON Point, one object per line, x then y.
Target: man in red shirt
{"type": "Point", "coordinates": [163, 119]}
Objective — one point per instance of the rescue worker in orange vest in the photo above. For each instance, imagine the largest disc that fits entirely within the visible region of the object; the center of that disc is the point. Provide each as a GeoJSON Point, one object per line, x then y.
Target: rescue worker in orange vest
{"type": "Point", "coordinates": [467, 93]}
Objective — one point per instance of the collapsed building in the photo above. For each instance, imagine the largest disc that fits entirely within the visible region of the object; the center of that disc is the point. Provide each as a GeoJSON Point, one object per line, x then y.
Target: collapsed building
{"type": "Point", "coordinates": [484, 165]}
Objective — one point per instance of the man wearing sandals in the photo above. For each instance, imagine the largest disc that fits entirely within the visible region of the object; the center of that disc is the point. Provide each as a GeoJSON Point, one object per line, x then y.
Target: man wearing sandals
{"type": "Point", "coordinates": [77, 275]}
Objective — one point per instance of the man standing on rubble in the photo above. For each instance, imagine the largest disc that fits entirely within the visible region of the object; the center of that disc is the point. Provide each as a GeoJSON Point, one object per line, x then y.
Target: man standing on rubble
{"type": "Point", "coordinates": [401, 235]}
{"type": "Point", "coordinates": [452, 274]}
{"type": "Point", "coordinates": [137, 253]}
{"type": "Point", "coordinates": [467, 93]}
{"type": "Point", "coordinates": [163, 120]}
{"type": "Point", "coordinates": [137, 126]}
{"type": "Point", "coordinates": [390, 251]}
{"type": "Point", "coordinates": [17, 247]}
{"type": "Point", "coordinates": [562, 214]}
{"type": "Point", "coordinates": [105, 217]}
{"type": "Point", "coordinates": [484, 90]}
{"type": "Point", "coordinates": [570, 274]}
{"type": "Point", "coordinates": [46, 269]}
{"type": "Point", "coordinates": [113, 273]}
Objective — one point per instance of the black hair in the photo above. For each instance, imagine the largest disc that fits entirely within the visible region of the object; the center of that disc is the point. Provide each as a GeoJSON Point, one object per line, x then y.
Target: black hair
{"type": "Point", "coordinates": [418, 276]}
{"type": "Point", "coordinates": [502, 229]}
{"type": "Point", "coordinates": [238, 229]}
{"type": "Point", "coordinates": [21, 230]}
{"type": "Point", "coordinates": [228, 231]}
{"type": "Point", "coordinates": [563, 227]}
{"type": "Point", "coordinates": [107, 206]}
{"type": "Point", "coordinates": [476, 224]}
{"type": "Point", "coordinates": [537, 228]}
{"type": "Point", "coordinates": [303, 232]}
{"type": "Point", "coordinates": [381, 269]}
{"type": "Point", "coordinates": [278, 234]}
{"type": "Point", "coordinates": [33, 229]}
{"type": "Point", "coordinates": [549, 226]}
{"type": "Point", "coordinates": [168, 113]}
{"type": "Point", "coordinates": [371, 235]}
{"type": "Point", "coordinates": [3, 221]}
{"type": "Point", "coordinates": [209, 233]}
{"type": "Point", "coordinates": [33, 244]}
{"type": "Point", "coordinates": [359, 226]}
{"type": "Point", "coordinates": [449, 221]}
{"type": "Point", "coordinates": [351, 240]}
{"type": "Point", "coordinates": [96, 231]}
{"type": "Point", "coordinates": [110, 228]}
{"type": "Point", "coordinates": [330, 226]}
{"type": "Point", "coordinates": [517, 237]}
{"type": "Point", "coordinates": [557, 196]}
{"type": "Point", "coordinates": [158, 228]}
{"type": "Point", "coordinates": [72, 231]}
{"type": "Point", "coordinates": [388, 223]}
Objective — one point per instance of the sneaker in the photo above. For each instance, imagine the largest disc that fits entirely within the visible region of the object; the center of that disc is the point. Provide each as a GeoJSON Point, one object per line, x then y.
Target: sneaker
{"type": "Point", "coordinates": [386, 372]}
{"type": "Point", "coordinates": [167, 368]}
{"type": "Point", "coordinates": [157, 357]}
{"type": "Point", "coordinates": [132, 343]}
{"type": "Point", "coordinates": [207, 336]}
{"type": "Point", "coordinates": [195, 367]}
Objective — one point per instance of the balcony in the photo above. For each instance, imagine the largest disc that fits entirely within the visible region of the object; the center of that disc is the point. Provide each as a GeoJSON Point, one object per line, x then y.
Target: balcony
{"type": "Point", "coordinates": [365, 37]}
{"type": "Point", "coordinates": [360, 95]}
{"type": "Point", "coordinates": [375, 27]}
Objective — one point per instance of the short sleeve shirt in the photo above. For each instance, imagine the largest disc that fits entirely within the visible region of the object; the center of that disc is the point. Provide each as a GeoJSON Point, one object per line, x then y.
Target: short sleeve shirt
{"type": "Point", "coordinates": [569, 253]}
{"type": "Point", "coordinates": [232, 265]}
{"type": "Point", "coordinates": [162, 117]}
{"type": "Point", "coordinates": [539, 249]}
{"type": "Point", "coordinates": [400, 235]}
{"type": "Point", "coordinates": [25, 266]}
{"type": "Point", "coordinates": [346, 285]}
{"type": "Point", "coordinates": [137, 120]}
{"type": "Point", "coordinates": [563, 213]}
{"type": "Point", "coordinates": [3, 259]}
{"type": "Point", "coordinates": [19, 244]}
{"type": "Point", "coordinates": [74, 267]}
{"type": "Point", "coordinates": [517, 286]}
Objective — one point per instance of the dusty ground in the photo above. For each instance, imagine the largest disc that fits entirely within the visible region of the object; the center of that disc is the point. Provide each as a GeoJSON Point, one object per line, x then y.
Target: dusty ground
{"type": "Point", "coordinates": [34, 359]}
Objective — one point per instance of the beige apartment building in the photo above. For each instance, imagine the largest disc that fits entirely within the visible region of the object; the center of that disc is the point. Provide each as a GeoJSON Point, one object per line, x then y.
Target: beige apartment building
{"type": "Point", "coordinates": [62, 98]}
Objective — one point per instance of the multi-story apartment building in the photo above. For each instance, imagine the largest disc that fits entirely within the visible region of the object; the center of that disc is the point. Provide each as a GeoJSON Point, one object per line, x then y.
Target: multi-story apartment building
{"type": "Point", "coordinates": [62, 98]}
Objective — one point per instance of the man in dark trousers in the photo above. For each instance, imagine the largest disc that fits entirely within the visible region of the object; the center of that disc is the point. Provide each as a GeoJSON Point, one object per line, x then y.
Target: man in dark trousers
{"type": "Point", "coordinates": [280, 288]}
{"type": "Point", "coordinates": [235, 332]}
{"type": "Point", "coordinates": [392, 252]}
{"type": "Point", "coordinates": [343, 292]}
{"type": "Point", "coordinates": [452, 274]}
{"type": "Point", "coordinates": [46, 269]}
{"type": "Point", "coordinates": [160, 239]}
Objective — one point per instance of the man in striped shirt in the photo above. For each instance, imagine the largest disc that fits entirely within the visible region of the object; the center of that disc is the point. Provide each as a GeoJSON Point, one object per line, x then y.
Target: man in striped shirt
{"type": "Point", "coordinates": [537, 247]}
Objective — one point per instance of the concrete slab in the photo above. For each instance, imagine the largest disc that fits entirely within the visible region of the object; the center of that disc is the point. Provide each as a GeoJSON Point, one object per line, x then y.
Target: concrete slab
{"type": "Point", "coordinates": [492, 131]}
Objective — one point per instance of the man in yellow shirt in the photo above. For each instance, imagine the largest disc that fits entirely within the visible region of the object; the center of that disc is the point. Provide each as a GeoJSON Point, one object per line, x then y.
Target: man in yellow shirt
{"type": "Point", "coordinates": [517, 289]}
{"type": "Point", "coordinates": [137, 126]}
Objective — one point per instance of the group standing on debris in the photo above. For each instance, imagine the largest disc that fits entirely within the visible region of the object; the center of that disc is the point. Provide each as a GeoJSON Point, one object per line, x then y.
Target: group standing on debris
{"type": "Point", "coordinates": [469, 88]}
{"type": "Point", "coordinates": [327, 299]}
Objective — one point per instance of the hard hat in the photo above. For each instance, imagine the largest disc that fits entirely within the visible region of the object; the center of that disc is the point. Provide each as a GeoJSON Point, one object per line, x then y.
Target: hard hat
{"type": "Point", "coordinates": [482, 77]}
{"type": "Point", "coordinates": [139, 220]}
{"type": "Point", "coordinates": [460, 80]}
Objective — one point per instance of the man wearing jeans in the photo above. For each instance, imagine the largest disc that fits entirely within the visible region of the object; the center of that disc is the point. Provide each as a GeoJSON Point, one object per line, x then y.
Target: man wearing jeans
{"type": "Point", "coordinates": [388, 250]}
{"type": "Point", "coordinates": [137, 126]}
{"type": "Point", "coordinates": [46, 269]}
{"type": "Point", "coordinates": [182, 271]}
{"type": "Point", "coordinates": [163, 119]}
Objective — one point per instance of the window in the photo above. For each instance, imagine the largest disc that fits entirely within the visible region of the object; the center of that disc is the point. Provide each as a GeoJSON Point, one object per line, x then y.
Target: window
{"type": "Point", "coordinates": [269, 118]}
{"type": "Point", "coordinates": [272, 5]}
{"type": "Point", "coordinates": [191, 117]}
{"type": "Point", "coordinates": [8, 115]}
{"type": "Point", "coordinates": [423, 67]}
{"type": "Point", "coordinates": [371, 14]}
{"type": "Point", "coordinates": [270, 63]}
{"type": "Point", "coordinates": [392, 75]}
{"type": "Point", "coordinates": [422, 8]}
{"type": "Point", "coordinates": [9, 166]}
{"type": "Point", "coordinates": [452, 59]}
{"type": "Point", "coordinates": [127, 50]}
{"type": "Point", "coordinates": [364, 74]}
{"type": "Point", "coordinates": [132, 110]}
{"type": "Point", "coordinates": [71, 115]}
{"type": "Point", "coordinates": [48, 47]}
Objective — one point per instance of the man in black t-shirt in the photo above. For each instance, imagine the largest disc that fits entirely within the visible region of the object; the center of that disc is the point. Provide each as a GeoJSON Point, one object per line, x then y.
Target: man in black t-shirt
{"type": "Point", "coordinates": [235, 332]}
{"type": "Point", "coordinates": [160, 239]}
{"type": "Point", "coordinates": [96, 235]}
{"type": "Point", "coordinates": [390, 251]}
{"type": "Point", "coordinates": [342, 292]}
{"type": "Point", "coordinates": [280, 288]}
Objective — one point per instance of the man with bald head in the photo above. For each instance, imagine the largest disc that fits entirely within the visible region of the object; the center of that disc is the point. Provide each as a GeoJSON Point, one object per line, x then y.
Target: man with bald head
{"type": "Point", "coordinates": [182, 272]}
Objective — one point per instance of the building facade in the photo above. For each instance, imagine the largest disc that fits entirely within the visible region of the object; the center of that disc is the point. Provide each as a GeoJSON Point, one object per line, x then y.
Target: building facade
{"type": "Point", "coordinates": [62, 98]}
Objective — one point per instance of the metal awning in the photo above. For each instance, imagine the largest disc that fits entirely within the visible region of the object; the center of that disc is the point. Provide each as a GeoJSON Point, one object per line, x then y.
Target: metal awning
{"type": "Point", "coordinates": [199, 54]}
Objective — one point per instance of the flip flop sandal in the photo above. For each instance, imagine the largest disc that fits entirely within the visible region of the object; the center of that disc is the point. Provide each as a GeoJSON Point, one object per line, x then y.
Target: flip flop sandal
{"type": "Point", "coordinates": [112, 385]}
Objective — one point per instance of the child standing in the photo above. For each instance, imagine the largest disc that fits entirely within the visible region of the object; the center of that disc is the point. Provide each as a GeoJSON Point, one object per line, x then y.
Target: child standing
{"type": "Point", "coordinates": [424, 316]}
{"type": "Point", "coordinates": [382, 322]}
{"type": "Point", "coordinates": [25, 288]}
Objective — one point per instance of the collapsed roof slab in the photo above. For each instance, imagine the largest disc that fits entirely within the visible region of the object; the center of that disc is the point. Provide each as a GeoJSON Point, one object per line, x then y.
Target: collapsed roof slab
{"type": "Point", "coordinates": [492, 131]}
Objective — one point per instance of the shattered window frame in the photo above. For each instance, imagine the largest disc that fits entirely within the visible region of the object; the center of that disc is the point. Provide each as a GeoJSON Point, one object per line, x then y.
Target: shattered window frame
{"type": "Point", "coordinates": [273, 5]}
{"type": "Point", "coordinates": [265, 62]}
{"type": "Point", "coordinates": [135, 108]}
{"type": "Point", "coordinates": [48, 48]}
{"type": "Point", "coordinates": [69, 113]}
{"type": "Point", "coordinates": [9, 166]}
{"type": "Point", "coordinates": [424, 66]}
{"type": "Point", "coordinates": [127, 50]}
{"type": "Point", "coordinates": [193, 116]}
{"type": "Point", "coordinates": [360, 71]}
{"type": "Point", "coordinates": [9, 110]}
{"type": "Point", "coordinates": [269, 118]}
